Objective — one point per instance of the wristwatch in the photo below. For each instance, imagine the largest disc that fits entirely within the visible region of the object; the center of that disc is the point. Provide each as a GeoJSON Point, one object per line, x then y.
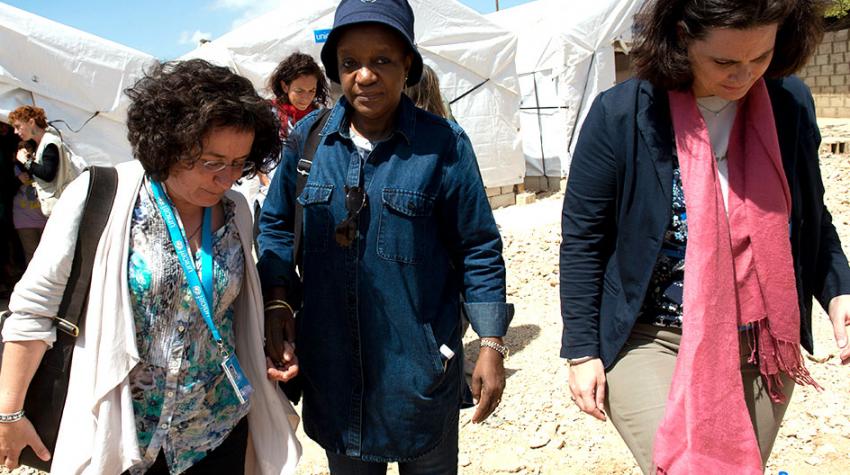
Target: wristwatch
{"type": "Point", "coordinates": [501, 349]}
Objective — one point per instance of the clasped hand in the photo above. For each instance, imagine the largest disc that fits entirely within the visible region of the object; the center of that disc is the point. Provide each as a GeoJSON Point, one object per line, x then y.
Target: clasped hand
{"type": "Point", "coordinates": [281, 362]}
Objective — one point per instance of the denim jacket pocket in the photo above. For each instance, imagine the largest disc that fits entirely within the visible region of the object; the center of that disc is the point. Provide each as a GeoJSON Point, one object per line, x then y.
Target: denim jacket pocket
{"type": "Point", "coordinates": [402, 226]}
{"type": "Point", "coordinates": [433, 349]}
{"type": "Point", "coordinates": [318, 223]}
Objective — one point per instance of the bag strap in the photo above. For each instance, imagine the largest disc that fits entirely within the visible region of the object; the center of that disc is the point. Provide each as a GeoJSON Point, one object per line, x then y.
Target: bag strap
{"type": "Point", "coordinates": [103, 183]}
{"type": "Point", "coordinates": [304, 166]}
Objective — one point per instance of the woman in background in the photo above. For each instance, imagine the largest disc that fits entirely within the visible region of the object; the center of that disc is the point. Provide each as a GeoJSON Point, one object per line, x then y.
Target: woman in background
{"type": "Point", "coordinates": [299, 88]}
{"type": "Point", "coordinates": [50, 166]}
{"type": "Point", "coordinates": [426, 94]}
{"type": "Point", "coordinates": [27, 217]}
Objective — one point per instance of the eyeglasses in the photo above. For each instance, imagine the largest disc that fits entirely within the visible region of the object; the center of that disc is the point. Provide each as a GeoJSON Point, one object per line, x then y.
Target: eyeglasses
{"type": "Point", "coordinates": [346, 231]}
{"type": "Point", "coordinates": [215, 166]}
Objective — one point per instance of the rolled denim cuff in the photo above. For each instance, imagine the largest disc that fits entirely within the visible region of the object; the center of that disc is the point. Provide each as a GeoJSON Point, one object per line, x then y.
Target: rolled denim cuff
{"type": "Point", "coordinates": [275, 272]}
{"type": "Point", "coordinates": [489, 318]}
{"type": "Point", "coordinates": [580, 351]}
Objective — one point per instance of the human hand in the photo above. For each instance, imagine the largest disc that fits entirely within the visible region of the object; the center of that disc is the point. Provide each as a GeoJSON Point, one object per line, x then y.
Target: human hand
{"type": "Point", "coordinates": [488, 382]}
{"type": "Point", "coordinates": [14, 437]}
{"type": "Point", "coordinates": [282, 364]}
{"type": "Point", "coordinates": [23, 156]}
{"type": "Point", "coordinates": [839, 314]}
{"type": "Point", "coordinates": [587, 385]}
{"type": "Point", "coordinates": [286, 371]}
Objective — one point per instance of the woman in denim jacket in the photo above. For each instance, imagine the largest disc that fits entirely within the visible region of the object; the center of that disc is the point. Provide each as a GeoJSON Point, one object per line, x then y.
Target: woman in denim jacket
{"type": "Point", "coordinates": [396, 229]}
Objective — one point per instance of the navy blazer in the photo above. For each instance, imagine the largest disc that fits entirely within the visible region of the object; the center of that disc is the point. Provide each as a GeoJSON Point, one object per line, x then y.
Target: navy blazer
{"type": "Point", "coordinates": [618, 204]}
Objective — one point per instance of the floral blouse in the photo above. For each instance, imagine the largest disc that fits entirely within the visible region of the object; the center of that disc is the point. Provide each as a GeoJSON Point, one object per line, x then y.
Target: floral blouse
{"type": "Point", "coordinates": [183, 402]}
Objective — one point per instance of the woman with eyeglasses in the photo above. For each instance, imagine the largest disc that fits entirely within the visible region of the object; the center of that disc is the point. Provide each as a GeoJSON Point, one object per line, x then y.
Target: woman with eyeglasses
{"type": "Point", "coordinates": [396, 228]}
{"type": "Point", "coordinates": [170, 375]}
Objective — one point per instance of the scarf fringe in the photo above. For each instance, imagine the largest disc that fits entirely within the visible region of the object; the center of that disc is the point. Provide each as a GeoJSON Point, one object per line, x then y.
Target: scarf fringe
{"type": "Point", "coordinates": [774, 356]}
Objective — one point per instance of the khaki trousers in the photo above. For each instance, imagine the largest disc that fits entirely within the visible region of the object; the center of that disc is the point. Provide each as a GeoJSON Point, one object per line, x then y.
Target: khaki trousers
{"type": "Point", "coordinates": [639, 381]}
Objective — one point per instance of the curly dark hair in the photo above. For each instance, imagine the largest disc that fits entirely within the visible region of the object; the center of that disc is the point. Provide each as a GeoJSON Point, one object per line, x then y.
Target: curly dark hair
{"type": "Point", "coordinates": [664, 28]}
{"type": "Point", "coordinates": [176, 104]}
{"type": "Point", "coordinates": [298, 64]}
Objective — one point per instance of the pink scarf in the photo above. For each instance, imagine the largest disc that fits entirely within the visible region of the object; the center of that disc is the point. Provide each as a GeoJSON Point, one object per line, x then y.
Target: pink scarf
{"type": "Point", "coordinates": [738, 271]}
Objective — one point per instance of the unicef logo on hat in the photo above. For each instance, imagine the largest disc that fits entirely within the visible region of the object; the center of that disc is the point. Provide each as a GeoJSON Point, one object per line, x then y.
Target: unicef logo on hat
{"type": "Point", "coordinates": [368, 1]}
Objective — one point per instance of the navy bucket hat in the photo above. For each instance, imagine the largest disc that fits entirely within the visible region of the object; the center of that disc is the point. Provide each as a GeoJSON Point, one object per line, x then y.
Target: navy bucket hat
{"type": "Point", "coordinates": [395, 14]}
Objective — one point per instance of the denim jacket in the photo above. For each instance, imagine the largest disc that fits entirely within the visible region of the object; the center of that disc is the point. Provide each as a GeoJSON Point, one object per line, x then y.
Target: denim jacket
{"type": "Point", "coordinates": [376, 314]}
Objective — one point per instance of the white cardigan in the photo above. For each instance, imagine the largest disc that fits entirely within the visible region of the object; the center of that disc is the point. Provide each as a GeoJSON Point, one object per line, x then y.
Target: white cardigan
{"type": "Point", "coordinates": [98, 430]}
{"type": "Point", "coordinates": [49, 191]}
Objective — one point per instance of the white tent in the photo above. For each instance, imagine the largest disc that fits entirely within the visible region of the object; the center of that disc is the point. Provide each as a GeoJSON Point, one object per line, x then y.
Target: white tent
{"type": "Point", "coordinates": [76, 77]}
{"type": "Point", "coordinates": [565, 57]}
{"type": "Point", "coordinates": [469, 53]}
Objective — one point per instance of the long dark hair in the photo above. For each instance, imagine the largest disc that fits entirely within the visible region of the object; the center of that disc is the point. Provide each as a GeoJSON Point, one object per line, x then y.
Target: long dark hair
{"type": "Point", "coordinates": [295, 65]}
{"type": "Point", "coordinates": [664, 28]}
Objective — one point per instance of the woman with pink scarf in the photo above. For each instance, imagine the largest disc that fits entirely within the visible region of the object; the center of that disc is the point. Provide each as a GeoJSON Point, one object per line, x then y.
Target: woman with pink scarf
{"type": "Point", "coordinates": [695, 236]}
{"type": "Point", "coordinates": [299, 88]}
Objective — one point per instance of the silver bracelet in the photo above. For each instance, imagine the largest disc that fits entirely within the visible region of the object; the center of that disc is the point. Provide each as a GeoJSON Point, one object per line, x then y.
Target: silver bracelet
{"type": "Point", "coordinates": [13, 417]}
{"type": "Point", "coordinates": [501, 349]}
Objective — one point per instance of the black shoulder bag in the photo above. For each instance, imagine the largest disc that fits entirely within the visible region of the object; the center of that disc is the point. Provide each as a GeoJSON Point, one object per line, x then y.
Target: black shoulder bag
{"type": "Point", "coordinates": [45, 398]}
{"type": "Point", "coordinates": [304, 166]}
{"type": "Point", "coordinates": [293, 388]}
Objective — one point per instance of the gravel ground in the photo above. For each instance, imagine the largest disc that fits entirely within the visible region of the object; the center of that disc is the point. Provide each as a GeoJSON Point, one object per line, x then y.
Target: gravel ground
{"type": "Point", "coordinates": [537, 430]}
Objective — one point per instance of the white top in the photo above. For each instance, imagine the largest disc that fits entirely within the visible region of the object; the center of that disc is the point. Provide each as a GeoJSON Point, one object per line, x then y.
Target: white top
{"type": "Point", "coordinates": [719, 116]}
{"type": "Point", "coordinates": [363, 145]}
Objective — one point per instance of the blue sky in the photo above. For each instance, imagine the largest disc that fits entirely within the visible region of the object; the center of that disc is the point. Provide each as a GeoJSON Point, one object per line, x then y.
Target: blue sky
{"type": "Point", "coordinates": [167, 29]}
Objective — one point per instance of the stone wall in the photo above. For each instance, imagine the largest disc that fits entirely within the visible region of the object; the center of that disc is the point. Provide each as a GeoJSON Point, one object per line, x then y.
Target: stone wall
{"type": "Point", "coordinates": [828, 75]}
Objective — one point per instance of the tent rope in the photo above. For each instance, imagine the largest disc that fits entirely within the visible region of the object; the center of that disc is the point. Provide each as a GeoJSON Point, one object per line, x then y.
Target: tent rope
{"type": "Point", "coordinates": [469, 91]}
{"type": "Point", "coordinates": [539, 125]}
{"type": "Point", "coordinates": [67, 126]}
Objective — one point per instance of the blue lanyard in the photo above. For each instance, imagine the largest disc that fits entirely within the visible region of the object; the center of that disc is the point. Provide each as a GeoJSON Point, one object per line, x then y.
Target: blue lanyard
{"type": "Point", "coordinates": [202, 292]}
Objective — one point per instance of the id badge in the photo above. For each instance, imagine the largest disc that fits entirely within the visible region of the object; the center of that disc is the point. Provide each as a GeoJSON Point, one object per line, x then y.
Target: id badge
{"type": "Point", "coordinates": [241, 386]}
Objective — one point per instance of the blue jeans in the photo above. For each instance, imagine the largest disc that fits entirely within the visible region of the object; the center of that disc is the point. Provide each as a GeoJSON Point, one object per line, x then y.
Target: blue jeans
{"type": "Point", "coordinates": [440, 461]}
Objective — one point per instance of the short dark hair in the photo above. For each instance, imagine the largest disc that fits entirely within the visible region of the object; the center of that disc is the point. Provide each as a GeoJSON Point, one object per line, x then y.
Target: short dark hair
{"type": "Point", "coordinates": [664, 28]}
{"type": "Point", "coordinates": [176, 104]}
{"type": "Point", "coordinates": [295, 65]}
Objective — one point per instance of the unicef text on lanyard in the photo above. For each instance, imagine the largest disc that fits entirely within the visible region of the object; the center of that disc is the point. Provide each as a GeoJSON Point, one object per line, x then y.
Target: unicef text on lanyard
{"type": "Point", "coordinates": [202, 293]}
